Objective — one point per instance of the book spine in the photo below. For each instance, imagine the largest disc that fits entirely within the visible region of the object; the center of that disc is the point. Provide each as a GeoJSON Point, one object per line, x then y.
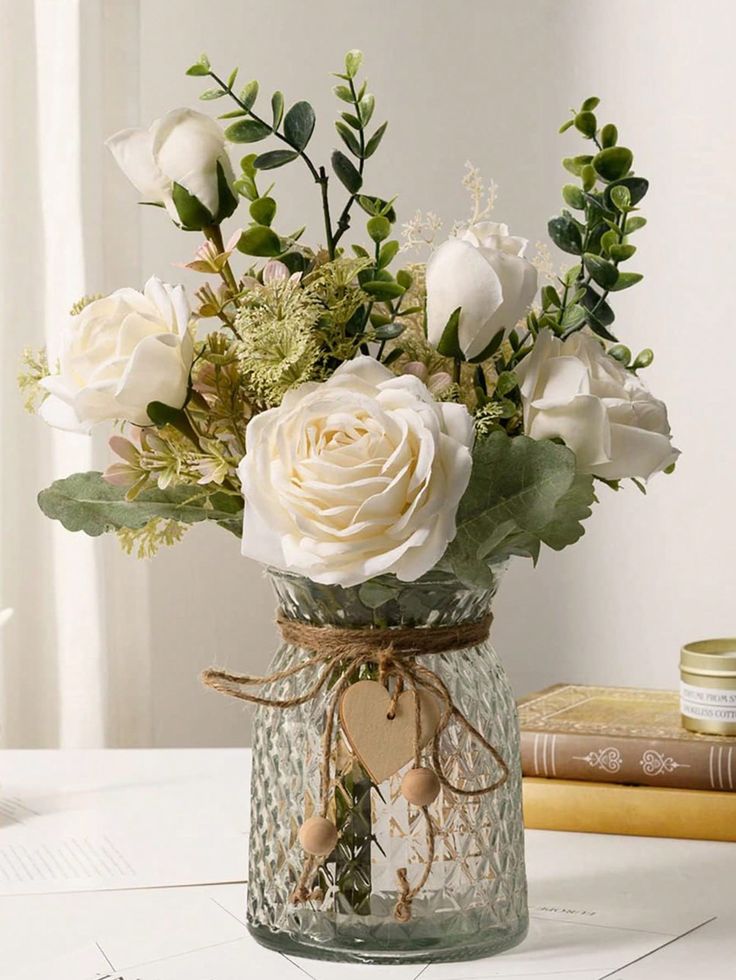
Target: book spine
{"type": "Point", "coordinates": [645, 811]}
{"type": "Point", "coordinates": [627, 759]}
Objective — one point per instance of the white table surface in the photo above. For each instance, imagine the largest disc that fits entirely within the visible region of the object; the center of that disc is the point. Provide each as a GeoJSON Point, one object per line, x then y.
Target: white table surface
{"type": "Point", "coordinates": [681, 878]}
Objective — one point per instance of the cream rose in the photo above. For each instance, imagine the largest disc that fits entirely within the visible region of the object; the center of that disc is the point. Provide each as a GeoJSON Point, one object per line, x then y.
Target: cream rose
{"type": "Point", "coordinates": [185, 148]}
{"type": "Point", "coordinates": [118, 355]}
{"type": "Point", "coordinates": [573, 390]}
{"type": "Point", "coordinates": [355, 477]}
{"type": "Point", "coordinates": [483, 271]}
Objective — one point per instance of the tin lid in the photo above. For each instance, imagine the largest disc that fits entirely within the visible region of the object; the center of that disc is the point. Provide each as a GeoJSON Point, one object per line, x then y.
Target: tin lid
{"type": "Point", "coordinates": [714, 658]}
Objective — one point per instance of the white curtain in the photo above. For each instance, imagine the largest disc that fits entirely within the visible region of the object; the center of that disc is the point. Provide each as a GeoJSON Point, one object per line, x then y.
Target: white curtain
{"type": "Point", "coordinates": [74, 661]}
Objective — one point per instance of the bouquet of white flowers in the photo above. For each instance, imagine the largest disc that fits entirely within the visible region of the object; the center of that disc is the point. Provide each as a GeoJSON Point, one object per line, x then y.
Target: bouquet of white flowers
{"type": "Point", "coordinates": [361, 427]}
{"type": "Point", "coordinates": [370, 421]}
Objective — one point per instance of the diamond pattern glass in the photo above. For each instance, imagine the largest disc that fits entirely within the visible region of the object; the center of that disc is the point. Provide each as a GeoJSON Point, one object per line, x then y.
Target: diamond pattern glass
{"type": "Point", "coordinates": [474, 902]}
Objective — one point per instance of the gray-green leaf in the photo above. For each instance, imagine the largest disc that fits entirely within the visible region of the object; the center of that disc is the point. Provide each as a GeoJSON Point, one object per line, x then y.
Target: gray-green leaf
{"type": "Point", "coordinates": [85, 502]}
{"type": "Point", "coordinates": [521, 491]}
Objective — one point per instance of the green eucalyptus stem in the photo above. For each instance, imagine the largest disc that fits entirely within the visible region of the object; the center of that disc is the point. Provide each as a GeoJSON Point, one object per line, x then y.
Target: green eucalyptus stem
{"type": "Point", "coordinates": [343, 222]}
{"type": "Point", "coordinates": [621, 236]}
{"type": "Point", "coordinates": [319, 175]}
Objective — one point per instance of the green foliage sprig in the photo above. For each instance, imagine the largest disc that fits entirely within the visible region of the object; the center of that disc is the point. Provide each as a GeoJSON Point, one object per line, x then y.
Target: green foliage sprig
{"type": "Point", "coordinates": [598, 232]}
{"type": "Point", "coordinates": [294, 128]}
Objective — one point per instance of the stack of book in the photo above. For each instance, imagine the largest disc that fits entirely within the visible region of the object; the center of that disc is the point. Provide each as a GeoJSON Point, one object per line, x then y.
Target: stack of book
{"type": "Point", "coordinates": [617, 761]}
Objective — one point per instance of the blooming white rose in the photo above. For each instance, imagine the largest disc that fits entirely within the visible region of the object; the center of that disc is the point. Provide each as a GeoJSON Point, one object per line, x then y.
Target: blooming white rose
{"type": "Point", "coordinates": [118, 355]}
{"type": "Point", "coordinates": [573, 390]}
{"type": "Point", "coordinates": [358, 476]}
{"type": "Point", "coordinates": [484, 272]}
{"type": "Point", "coordinates": [185, 148]}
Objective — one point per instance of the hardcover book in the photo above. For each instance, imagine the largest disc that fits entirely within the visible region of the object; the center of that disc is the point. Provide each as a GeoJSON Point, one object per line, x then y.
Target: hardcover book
{"type": "Point", "coordinates": [620, 735]}
{"type": "Point", "coordinates": [645, 811]}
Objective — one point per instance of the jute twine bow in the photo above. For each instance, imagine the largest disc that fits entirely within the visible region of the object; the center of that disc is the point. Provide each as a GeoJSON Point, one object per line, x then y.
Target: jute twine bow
{"type": "Point", "coordinates": [339, 653]}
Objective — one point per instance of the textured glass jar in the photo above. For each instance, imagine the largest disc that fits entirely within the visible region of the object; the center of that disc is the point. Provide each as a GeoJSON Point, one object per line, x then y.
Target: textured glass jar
{"type": "Point", "coordinates": [474, 903]}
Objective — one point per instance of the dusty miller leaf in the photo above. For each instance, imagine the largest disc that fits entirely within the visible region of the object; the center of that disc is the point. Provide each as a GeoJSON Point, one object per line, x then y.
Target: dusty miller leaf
{"type": "Point", "coordinates": [522, 492]}
{"type": "Point", "coordinates": [85, 502]}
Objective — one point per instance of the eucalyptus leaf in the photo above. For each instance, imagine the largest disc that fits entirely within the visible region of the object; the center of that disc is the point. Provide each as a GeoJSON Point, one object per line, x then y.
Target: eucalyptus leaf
{"type": "Point", "coordinates": [388, 253]}
{"type": "Point", "coordinates": [277, 108]}
{"type": "Point", "coordinates": [601, 271]}
{"type": "Point", "coordinates": [626, 280]}
{"type": "Point", "coordinates": [343, 93]}
{"type": "Point", "coordinates": [573, 318]}
{"type": "Point", "coordinates": [609, 135]}
{"type": "Point", "coordinates": [637, 186]}
{"type": "Point", "coordinates": [565, 233]}
{"type": "Point", "coordinates": [382, 290]}
{"type": "Point", "coordinates": [613, 163]}
{"type": "Point", "coordinates": [249, 94]}
{"type": "Point", "coordinates": [263, 210]}
{"type": "Point", "coordinates": [390, 331]}
{"type": "Point", "coordinates": [260, 241]}
{"type": "Point", "coordinates": [573, 197]}
{"type": "Point", "coordinates": [574, 165]}
{"type": "Point", "coordinates": [644, 358]}
{"type": "Point", "coordinates": [372, 145]}
{"type": "Point", "coordinates": [346, 171]}
{"type": "Point", "coordinates": [586, 123]}
{"type": "Point", "coordinates": [622, 252]}
{"type": "Point", "coordinates": [634, 222]}
{"type": "Point", "coordinates": [248, 131]}
{"type": "Point", "coordinates": [274, 158]}
{"type": "Point", "coordinates": [365, 109]}
{"type": "Point", "coordinates": [348, 137]}
{"type": "Point", "coordinates": [353, 61]}
{"type": "Point", "coordinates": [299, 124]}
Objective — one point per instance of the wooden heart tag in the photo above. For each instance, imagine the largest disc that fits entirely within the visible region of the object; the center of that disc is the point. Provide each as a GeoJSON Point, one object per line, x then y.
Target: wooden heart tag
{"type": "Point", "coordinates": [383, 745]}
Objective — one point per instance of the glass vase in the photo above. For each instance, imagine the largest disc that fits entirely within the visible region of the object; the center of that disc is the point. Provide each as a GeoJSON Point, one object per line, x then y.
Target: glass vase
{"type": "Point", "coordinates": [474, 902]}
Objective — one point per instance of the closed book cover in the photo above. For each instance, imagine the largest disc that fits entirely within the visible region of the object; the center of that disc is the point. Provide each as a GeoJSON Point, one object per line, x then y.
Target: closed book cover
{"type": "Point", "coordinates": [644, 811]}
{"type": "Point", "coordinates": [620, 735]}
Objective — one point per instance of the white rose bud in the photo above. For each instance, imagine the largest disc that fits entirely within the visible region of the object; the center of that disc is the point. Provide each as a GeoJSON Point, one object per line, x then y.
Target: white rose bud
{"type": "Point", "coordinates": [573, 390]}
{"type": "Point", "coordinates": [355, 477]}
{"type": "Point", "coordinates": [120, 354]}
{"type": "Point", "coordinates": [185, 149]}
{"type": "Point", "coordinates": [484, 272]}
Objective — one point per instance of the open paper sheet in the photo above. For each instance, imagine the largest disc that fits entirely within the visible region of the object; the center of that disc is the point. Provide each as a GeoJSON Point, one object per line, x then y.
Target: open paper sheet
{"type": "Point", "coordinates": [192, 934]}
{"type": "Point", "coordinates": [101, 820]}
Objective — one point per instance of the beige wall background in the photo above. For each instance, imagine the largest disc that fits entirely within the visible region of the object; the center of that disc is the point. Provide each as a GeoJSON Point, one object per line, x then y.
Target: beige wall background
{"type": "Point", "coordinates": [490, 81]}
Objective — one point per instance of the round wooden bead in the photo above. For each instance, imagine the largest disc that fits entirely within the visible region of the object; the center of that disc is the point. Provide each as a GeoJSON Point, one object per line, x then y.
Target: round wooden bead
{"type": "Point", "coordinates": [317, 835]}
{"type": "Point", "coordinates": [420, 786]}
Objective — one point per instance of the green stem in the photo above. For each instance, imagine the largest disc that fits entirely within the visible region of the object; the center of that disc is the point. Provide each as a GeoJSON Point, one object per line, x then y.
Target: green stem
{"type": "Point", "coordinates": [320, 176]}
{"type": "Point", "coordinates": [343, 222]}
{"type": "Point", "coordinates": [213, 233]}
{"type": "Point", "coordinates": [621, 236]}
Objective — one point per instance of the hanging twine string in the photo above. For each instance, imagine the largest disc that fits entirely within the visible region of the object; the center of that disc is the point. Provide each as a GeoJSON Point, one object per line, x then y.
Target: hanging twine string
{"type": "Point", "coordinates": [338, 653]}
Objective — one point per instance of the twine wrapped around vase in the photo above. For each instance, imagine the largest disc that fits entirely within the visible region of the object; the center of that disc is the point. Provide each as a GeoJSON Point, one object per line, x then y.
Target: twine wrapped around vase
{"type": "Point", "coordinates": [338, 653]}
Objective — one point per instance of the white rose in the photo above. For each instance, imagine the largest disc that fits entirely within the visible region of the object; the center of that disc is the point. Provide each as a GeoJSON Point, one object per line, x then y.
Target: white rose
{"type": "Point", "coordinates": [185, 148]}
{"type": "Point", "coordinates": [573, 390]}
{"type": "Point", "coordinates": [483, 272]}
{"type": "Point", "coordinates": [119, 354]}
{"type": "Point", "coordinates": [355, 477]}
